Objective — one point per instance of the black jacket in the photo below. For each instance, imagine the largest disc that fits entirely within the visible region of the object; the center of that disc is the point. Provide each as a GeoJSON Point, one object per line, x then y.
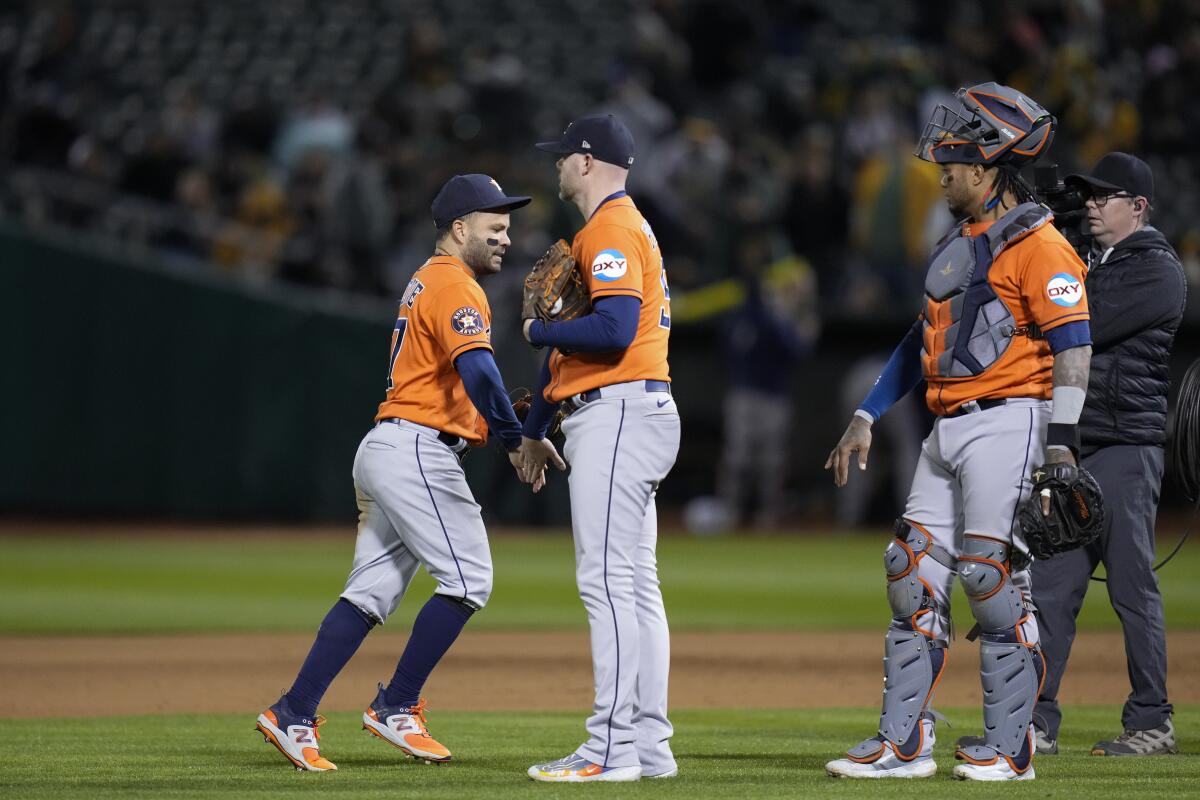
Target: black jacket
{"type": "Point", "coordinates": [1136, 293]}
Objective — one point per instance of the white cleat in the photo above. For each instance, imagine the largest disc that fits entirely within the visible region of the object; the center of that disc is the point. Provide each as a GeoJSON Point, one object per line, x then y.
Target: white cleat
{"type": "Point", "coordinates": [879, 758]}
{"type": "Point", "coordinates": [671, 773]}
{"type": "Point", "coordinates": [886, 767]}
{"type": "Point", "coordinates": [1000, 770]}
{"type": "Point", "coordinates": [577, 769]}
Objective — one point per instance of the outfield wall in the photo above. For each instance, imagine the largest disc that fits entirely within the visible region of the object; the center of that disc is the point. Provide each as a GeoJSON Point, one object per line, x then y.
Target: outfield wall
{"type": "Point", "coordinates": [134, 387]}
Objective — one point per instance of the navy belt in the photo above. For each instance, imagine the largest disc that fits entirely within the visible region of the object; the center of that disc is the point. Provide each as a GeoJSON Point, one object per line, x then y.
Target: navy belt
{"type": "Point", "coordinates": [455, 443]}
{"type": "Point", "coordinates": [971, 406]}
{"type": "Point", "coordinates": [651, 386]}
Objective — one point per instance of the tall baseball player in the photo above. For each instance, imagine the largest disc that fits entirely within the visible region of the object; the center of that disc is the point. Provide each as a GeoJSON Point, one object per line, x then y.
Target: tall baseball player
{"type": "Point", "coordinates": [444, 393]}
{"type": "Point", "coordinates": [1003, 344]}
{"type": "Point", "coordinates": [610, 369]}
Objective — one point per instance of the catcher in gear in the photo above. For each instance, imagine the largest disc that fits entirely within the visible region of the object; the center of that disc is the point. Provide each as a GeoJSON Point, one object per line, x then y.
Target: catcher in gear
{"type": "Point", "coordinates": [1003, 346]}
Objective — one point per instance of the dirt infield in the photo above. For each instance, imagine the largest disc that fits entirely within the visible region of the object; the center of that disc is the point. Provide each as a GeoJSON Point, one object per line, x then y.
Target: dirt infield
{"type": "Point", "coordinates": [61, 676]}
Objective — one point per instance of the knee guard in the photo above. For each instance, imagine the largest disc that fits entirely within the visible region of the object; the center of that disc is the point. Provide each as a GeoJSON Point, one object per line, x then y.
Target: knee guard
{"type": "Point", "coordinates": [914, 653]}
{"type": "Point", "coordinates": [914, 605]}
{"type": "Point", "coordinates": [1011, 668]}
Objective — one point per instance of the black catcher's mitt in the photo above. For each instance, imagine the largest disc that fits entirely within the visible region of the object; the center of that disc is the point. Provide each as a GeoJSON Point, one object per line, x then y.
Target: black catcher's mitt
{"type": "Point", "coordinates": [1076, 510]}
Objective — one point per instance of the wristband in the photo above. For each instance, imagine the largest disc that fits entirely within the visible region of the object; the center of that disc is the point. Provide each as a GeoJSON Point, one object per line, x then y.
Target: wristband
{"type": "Point", "coordinates": [1059, 434]}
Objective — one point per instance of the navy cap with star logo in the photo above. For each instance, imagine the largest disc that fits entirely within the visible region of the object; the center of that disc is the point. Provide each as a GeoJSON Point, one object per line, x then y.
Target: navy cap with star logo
{"type": "Point", "coordinates": [464, 194]}
{"type": "Point", "coordinates": [603, 136]}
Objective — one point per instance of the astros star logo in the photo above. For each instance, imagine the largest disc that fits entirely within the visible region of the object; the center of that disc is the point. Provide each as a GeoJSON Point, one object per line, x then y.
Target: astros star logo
{"type": "Point", "coordinates": [467, 321]}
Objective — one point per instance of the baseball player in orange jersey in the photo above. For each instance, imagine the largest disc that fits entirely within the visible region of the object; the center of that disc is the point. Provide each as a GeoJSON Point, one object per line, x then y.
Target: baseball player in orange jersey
{"type": "Point", "coordinates": [610, 369]}
{"type": "Point", "coordinates": [444, 394]}
{"type": "Point", "coordinates": [1003, 344]}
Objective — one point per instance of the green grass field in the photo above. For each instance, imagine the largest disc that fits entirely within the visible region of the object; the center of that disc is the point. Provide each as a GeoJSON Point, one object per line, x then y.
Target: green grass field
{"type": "Point", "coordinates": [731, 753]}
{"type": "Point", "coordinates": [94, 585]}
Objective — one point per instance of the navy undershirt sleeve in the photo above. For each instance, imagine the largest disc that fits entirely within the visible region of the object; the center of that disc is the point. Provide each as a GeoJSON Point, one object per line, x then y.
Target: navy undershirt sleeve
{"type": "Point", "coordinates": [1073, 334]}
{"type": "Point", "coordinates": [901, 373]}
{"type": "Point", "coordinates": [611, 326]}
{"type": "Point", "coordinates": [537, 422]}
{"type": "Point", "coordinates": [485, 387]}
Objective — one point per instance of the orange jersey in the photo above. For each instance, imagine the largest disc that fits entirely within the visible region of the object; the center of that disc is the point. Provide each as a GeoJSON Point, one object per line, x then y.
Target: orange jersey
{"type": "Point", "coordinates": [618, 255]}
{"type": "Point", "coordinates": [443, 314]}
{"type": "Point", "coordinates": [1040, 280]}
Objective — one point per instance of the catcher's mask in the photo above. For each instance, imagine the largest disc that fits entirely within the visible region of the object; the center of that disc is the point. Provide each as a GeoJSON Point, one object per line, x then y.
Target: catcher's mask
{"type": "Point", "coordinates": [995, 125]}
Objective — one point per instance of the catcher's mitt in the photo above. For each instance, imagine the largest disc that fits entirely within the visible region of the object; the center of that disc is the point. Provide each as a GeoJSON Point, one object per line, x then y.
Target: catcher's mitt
{"type": "Point", "coordinates": [522, 401]}
{"type": "Point", "coordinates": [554, 290]}
{"type": "Point", "coordinates": [1076, 510]}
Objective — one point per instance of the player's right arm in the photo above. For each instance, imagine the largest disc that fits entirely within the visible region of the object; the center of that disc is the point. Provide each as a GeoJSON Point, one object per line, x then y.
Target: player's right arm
{"type": "Point", "coordinates": [900, 375]}
{"type": "Point", "coordinates": [612, 268]}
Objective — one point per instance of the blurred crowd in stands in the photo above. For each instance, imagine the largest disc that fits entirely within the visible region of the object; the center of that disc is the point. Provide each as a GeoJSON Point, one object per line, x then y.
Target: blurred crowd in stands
{"type": "Point", "coordinates": [303, 141]}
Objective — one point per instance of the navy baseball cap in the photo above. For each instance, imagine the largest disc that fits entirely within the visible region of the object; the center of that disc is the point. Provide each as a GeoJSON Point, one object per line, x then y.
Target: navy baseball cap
{"type": "Point", "coordinates": [602, 136]}
{"type": "Point", "coordinates": [463, 194]}
{"type": "Point", "coordinates": [1117, 172]}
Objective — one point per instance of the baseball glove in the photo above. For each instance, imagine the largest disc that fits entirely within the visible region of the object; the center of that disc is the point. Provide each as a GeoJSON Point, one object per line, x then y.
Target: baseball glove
{"type": "Point", "coordinates": [1076, 510]}
{"type": "Point", "coordinates": [554, 290]}
{"type": "Point", "coordinates": [522, 401]}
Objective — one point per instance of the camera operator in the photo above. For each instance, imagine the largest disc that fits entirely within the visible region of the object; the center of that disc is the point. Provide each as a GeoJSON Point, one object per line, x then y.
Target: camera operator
{"type": "Point", "coordinates": [1136, 292]}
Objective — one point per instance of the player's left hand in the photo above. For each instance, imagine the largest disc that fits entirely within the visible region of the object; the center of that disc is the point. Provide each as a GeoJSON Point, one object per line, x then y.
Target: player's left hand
{"type": "Point", "coordinates": [535, 453]}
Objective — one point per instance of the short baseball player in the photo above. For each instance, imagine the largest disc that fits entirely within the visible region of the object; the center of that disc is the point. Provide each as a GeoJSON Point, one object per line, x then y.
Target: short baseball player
{"type": "Point", "coordinates": [444, 394]}
{"type": "Point", "coordinates": [610, 369]}
{"type": "Point", "coordinates": [1003, 344]}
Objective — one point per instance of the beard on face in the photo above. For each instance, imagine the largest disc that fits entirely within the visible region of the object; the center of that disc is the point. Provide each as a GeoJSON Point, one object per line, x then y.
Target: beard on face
{"type": "Point", "coordinates": [955, 202]}
{"type": "Point", "coordinates": [565, 193]}
{"type": "Point", "coordinates": [478, 255]}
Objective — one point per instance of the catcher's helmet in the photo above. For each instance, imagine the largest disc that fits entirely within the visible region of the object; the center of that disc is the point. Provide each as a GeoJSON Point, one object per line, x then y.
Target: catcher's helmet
{"type": "Point", "coordinates": [995, 125]}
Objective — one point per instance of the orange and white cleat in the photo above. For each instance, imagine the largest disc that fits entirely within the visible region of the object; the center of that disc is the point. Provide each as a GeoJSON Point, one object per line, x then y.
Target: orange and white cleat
{"type": "Point", "coordinates": [294, 736]}
{"type": "Point", "coordinates": [404, 728]}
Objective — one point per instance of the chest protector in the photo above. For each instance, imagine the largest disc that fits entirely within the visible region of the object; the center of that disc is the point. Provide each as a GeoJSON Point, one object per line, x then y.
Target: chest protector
{"type": "Point", "coordinates": [967, 326]}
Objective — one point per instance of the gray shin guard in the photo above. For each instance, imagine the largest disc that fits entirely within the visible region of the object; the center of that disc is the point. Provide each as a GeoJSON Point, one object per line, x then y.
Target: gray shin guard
{"type": "Point", "coordinates": [912, 658]}
{"type": "Point", "coordinates": [1010, 668]}
{"type": "Point", "coordinates": [909, 672]}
